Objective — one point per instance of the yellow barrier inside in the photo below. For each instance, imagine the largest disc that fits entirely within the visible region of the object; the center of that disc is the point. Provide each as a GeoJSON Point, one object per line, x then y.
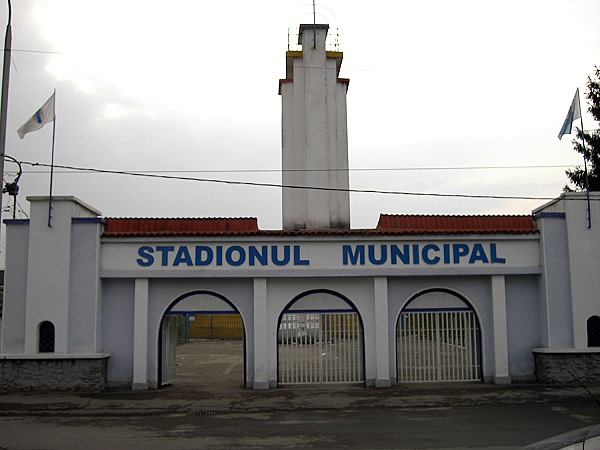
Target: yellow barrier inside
{"type": "Point", "coordinates": [217, 326]}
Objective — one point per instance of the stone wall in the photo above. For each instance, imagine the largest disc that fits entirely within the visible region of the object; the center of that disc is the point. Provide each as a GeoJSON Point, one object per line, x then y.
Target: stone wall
{"type": "Point", "coordinates": [57, 374]}
{"type": "Point", "coordinates": [568, 367]}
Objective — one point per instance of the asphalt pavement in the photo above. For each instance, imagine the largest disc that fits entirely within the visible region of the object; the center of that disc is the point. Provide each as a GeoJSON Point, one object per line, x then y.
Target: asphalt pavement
{"type": "Point", "coordinates": [205, 409]}
{"type": "Point", "coordinates": [407, 416]}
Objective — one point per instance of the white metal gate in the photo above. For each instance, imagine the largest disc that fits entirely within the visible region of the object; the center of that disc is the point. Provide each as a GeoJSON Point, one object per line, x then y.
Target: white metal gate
{"type": "Point", "coordinates": [168, 348]}
{"type": "Point", "coordinates": [438, 346]}
{"type": "Point", "coordinates": [320, 348]}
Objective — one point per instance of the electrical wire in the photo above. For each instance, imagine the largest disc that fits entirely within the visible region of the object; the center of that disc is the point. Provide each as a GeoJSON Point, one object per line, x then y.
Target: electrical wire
{"type": "Point", "coordinates": [250, 183]}
{"type": "Point", "coordinates": [37, 51]}
{"type": "Point", "coordinates": [364, 169]}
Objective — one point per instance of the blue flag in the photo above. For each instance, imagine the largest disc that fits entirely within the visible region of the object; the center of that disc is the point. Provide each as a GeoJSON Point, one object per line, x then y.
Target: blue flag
{"type": "Point", "coordinates": [574, 113]}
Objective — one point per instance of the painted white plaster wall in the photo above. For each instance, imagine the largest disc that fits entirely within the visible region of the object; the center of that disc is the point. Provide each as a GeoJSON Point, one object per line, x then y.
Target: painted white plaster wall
{"type": "Point", "coordinates": [169, 281]}
{"type": "Point", "coordinates": [315, 66]}
{"type": "Point", "coordinates": [523, 325]}
{"type": "Point", "coordinates": [382, 343]}
{"type": "Point", "coordinates": [49, 268]}
{"type": "Point", "coordinates": [584, 261]}
{"type": "Point", "coordinates": [378, 291]}
{"type": "Point", "coordinates": [261, 335]}
{"type": "Point", "coordinates": [48, 273]}
{"type": "Point", "coordinates": [84, 288]}
{"type": "Point", "coordinates": [556, 314]}
{"type": "Point", "coordinates": [583, 258]}
{"type": "Point", "coordinates": [140, 334]}
{"type": "Point", "coordinates": [15, 288]}
{"type": "Point", "coordinates": [314, 138]}
{"type": "Point", "coordinates": [117, 330]}
{"type": "Point", "coordinates": [500, 330]}
{"type": "Point", "coordinates": [340, 207]}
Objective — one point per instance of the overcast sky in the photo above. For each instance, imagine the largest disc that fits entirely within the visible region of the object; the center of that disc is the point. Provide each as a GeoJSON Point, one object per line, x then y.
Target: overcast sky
{"type": "Point", "coordinates": [189, 88]}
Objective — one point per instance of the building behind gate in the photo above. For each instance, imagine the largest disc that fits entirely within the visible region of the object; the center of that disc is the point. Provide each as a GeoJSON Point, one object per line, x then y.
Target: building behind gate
{"type": "Point", "coordinates": [90, 302]}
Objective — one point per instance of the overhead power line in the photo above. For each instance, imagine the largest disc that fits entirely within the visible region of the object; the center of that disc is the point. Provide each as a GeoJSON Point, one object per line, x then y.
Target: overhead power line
{"type": "Point", "coordinates": [360, 169]}
{"type": "Point", "coordinates": [37, 51]}
{"type": "Point", "coordinates": [250, 183]}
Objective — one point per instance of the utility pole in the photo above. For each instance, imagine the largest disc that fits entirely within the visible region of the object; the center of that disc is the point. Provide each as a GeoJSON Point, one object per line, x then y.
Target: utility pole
{"type": "Point", "coordinates": [4, 102]}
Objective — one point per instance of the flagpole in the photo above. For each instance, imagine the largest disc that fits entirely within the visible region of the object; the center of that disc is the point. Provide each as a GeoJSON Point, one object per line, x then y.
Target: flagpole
{"type": "Point", "coordinates": [52, 164]}
{"type": "Point", "coordinates": [587, 184]}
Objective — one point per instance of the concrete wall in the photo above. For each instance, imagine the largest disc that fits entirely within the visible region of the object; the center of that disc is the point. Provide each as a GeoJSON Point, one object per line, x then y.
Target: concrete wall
{"type": "Point", "coordinates": [84, 288]}
{"type": "Point", "coordinates": [584, 263]}
{"type": "Point", "coordinates": [523, 324]}
{"type": "Point", "coordinates": [556, 318]}
{"type": "Point", "coordinates": [117, 330]}
{"type": "Point", "coordinates": [314, 137]}
{"type": "Point", "coordinates": [570, 282]}
{"type": "Point", "coordinates": [103, 302]}
{"type": "Point", "coordinates": [15, 288]}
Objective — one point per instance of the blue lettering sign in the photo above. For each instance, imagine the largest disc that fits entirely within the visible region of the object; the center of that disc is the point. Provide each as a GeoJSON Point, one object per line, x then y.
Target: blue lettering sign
{"type": "Point", "coordinates": [356, 257]}
{"type": "Point", "coordinates": [494, 255]}
{"type": "Point", "coordinates": [427, 258]}
{"type": "Point", "coordinates": [204, 255]}
{"type": "Point", "coordinates": [231, 259]}
{"type": "Point", "coordinates": [283, 255]}
{"type": "Point", "coordinates": [145, 253]}
{"type": "Point", "coordinates": [459, 250]}
{"type": "Point", "coordinates": [254, 255]}
{"type": "Point", "coordinates": [446, 253]}
{"type": "Point", "coordinates": [415, 249]}
{"type": "Point", "coordinates": [165, 250]}
{"type": "Point", "coordinates": [298, 261]}
{"type": "Point", "coordinates": [396, 253]}
{"type": "Point", "coordinates": [478, 254]}
{"type": "Point", "coordinates": [383, 255]}
{"type": "Point", "coordinates": [183, 256]}
{"type": "Point", "coordinates": [275, 257]}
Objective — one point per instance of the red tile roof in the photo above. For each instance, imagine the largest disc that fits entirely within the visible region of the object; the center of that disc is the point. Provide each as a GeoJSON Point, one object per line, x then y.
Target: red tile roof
{"type": "Point", "coordinates": [389, 224]}
{"type": "Point", "coordinates": [418, 224]}
{"type": "Point", "coordinates": [118, 227]}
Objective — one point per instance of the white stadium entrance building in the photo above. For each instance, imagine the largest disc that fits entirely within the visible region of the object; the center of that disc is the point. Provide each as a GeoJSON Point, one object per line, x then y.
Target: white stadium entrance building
{"type": "Point", "coordinates": [95, 302]}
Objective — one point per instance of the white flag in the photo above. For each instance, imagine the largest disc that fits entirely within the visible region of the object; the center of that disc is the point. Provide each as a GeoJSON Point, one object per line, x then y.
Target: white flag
{"type": "Point", "coordinates": [41, 117]}
{"type": "Point", "coordinates": [574, 113]}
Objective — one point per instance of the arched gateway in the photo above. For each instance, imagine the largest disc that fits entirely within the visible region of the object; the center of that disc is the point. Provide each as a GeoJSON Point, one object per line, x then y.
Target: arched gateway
{"type": "Point", "coordinates": [320, 340]}
{"type": "Point", "coordinates": [197, 315]}
{"type": "Point", "coordinates": [438, 339]}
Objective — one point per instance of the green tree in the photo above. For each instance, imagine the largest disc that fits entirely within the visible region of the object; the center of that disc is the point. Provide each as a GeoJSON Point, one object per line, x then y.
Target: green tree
{"type": "Point", "coordinates": [592, 142]}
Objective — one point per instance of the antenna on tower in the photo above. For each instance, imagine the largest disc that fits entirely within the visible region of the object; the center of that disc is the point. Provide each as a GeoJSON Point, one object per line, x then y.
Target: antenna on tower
{"type": "Point", "coordinates": [313, 9]}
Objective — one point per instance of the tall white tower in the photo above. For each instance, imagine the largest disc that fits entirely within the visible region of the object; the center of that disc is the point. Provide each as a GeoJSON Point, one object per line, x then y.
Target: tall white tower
{"type": "Point", "coordinates": [314, 135]}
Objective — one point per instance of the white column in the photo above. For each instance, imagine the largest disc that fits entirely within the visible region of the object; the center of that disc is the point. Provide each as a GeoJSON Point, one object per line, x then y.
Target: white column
{"type": "Point", "coordinates": [500, 330]}
{"type": "Point", "coordinates": [140, 335]}
{"type": "Point", "coordinates": [380, 290]}
{"type": "Point", "coordinates": [261, 360]}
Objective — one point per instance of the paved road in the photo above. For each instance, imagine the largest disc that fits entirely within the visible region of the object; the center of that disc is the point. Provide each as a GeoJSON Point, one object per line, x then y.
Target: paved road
{"type": "Point", "coordinates": [322, 418]}
{"type": "Point", "coordinates": [210, 410]}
